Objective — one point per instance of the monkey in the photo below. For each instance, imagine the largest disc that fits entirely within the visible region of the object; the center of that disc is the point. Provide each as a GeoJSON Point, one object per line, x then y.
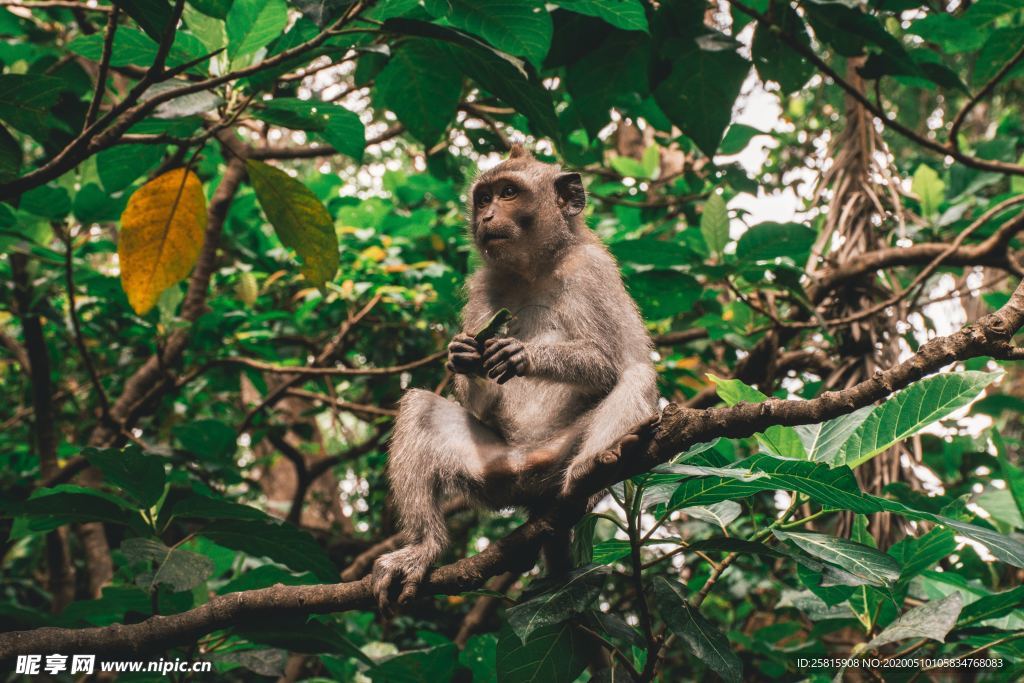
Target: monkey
{"type": "Point", "coordinates": [535, 409]}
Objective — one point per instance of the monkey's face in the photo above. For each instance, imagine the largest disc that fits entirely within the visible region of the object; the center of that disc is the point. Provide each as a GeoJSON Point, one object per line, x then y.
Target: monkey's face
{"type": "Point", "coordinates": [524, 212]}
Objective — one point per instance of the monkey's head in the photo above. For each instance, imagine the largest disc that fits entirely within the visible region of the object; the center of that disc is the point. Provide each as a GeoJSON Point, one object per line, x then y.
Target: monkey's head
{"type": "Point", "coordinates": [525, 212]}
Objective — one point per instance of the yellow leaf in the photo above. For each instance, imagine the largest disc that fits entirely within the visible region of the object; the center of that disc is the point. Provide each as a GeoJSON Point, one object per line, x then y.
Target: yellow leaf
{"type": "Point", "coordinates": [437, 243]}
{"type": "Point", "coordinates": [375, 253]}
{"type": "Point", "coordinates": [162, 232]}
{"type": "Point", "coordinates": [247, 289]}
{"type": "Point", "coordinates": [688, 363]}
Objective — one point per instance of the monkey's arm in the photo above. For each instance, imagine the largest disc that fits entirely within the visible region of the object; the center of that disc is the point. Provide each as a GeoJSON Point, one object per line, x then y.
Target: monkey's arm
{"type": "Point", "coordinates": [579, 362]}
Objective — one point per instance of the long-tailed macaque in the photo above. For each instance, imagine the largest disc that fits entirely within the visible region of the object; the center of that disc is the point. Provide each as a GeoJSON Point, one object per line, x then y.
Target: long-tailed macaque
{"type": "Point", "coordinates": [537, 408]}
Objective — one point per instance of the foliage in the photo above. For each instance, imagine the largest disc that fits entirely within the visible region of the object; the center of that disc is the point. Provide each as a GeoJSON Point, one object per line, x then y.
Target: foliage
{"type": "Point", "coordinates": [233, 234]}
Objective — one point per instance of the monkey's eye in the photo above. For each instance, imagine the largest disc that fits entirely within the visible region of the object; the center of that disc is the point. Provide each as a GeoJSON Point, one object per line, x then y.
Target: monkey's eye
{"type": "Point", "coordinates": [509, 191]}
{"type": "Point", "coordinates": [483, 199]}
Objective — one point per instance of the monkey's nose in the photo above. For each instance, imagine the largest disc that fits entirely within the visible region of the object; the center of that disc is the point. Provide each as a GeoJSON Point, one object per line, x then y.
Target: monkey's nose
{"type": "Point", "coordinates": [487, 217]}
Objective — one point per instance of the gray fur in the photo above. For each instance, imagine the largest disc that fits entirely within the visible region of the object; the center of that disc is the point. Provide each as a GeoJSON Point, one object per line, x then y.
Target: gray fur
{"type": "Point", "coordinates": [576, 377]}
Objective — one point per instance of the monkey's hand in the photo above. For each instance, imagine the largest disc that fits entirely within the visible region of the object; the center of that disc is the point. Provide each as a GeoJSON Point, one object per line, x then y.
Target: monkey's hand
{"type": "Point", "coordinates": [407, 565]}
{"type": "Point", "coordinates": [504, 359]}
{"type": "Point", "coordinates": [464, 355]}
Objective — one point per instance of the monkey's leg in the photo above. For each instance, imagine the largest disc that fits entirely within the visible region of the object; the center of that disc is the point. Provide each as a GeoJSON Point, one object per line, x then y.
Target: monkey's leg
{"type": "Point", "coordinates": [618, 425]}
{"type": "Point", "coordinates": [438, 449]}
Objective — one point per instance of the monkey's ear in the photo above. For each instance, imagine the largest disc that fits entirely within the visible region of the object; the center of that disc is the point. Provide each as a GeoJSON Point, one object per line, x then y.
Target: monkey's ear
{"type": "Point", "coordinates": [517, 151]}
{"type": "Point", "coordinates": [571, 195]}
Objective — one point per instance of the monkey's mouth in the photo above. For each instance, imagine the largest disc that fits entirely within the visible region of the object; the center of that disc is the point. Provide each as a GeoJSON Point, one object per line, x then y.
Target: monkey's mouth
{"type": "Point", "coordinates": [494, 237]}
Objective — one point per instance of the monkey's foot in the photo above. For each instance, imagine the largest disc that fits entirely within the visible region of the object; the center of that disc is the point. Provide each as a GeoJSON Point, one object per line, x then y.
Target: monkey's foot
{"type": "Point", "coordinates": [630, 445]}
{"type": "Point", "coordinates": [408, 566]}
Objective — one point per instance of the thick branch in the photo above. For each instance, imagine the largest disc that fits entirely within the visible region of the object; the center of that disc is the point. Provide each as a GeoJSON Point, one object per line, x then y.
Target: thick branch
{"type": "Point", "coordinates": [993, 251]}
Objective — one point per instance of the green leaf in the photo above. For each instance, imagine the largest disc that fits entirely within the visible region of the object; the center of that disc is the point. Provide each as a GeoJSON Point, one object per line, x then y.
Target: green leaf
{"type": "Point", "coordinates": [253, 24]}
{"type": "Point", "coordinates": [210, 31]}
{"type": "Point", "coordinates": [664, 293]}
{"type": "Point", "coordinates": [916, 555]}
{"type": "Point", "coordinates": [299, 219]}
{"type": "Point", "coordinates": [823, 441]}
{"type": "Point", "coordinates": [768, 241]}
{"type": "Point", "coordinates": [520, 28]}
{"type": "Point", "coordinates": [138, 474]}
{"type": "Point", "coordinates": [608, 77]}
{"type": "Point", "coordinates": [111, 608]}
{"type": "Point", "coordinates": [991, 607]}
{"type": "Point", "coordinates": [337, 125]}
{"type": "Point", "coordinates": [1017, 181]}
{"type": "Point", "coordinates": [699, 93]}
{"type": "Point", "coordinates": [999, 48]}
{"type": "Point", "coordinates": [265, 577]}
{"type": "Point", "coordinates": [26, 101]}
{"type": "Point", "coordinates": [954, 34]}
{"type": "Point", "coordinates": [11, 156]}
{"type": "Point", "coordinates": [774, 58]}
{"type": "Point", "coordinates": [432, 664]}
{"type": "Point", "coordinates": [48, 201]}
{"type": "Point", "coordinates": [1012, 475]}
{"type": "Point", "coordinates": [929, 189]}
{"type": "Point", "coordinates": [629, 167]}
{"type": "Point", "coordinates": [835, 487]}
{"type": "Point", "coordinates": [212, 8]}
{"type": "Point", "coordinates": [500, 76]}
{"type": "Point", "coordinates": [298, 633]}
{"type": "Point", "coordinates": [628, 15]}
{"type": "Point", "coordinates": [422, 86]}
{"type": "Point", "coordinates": [984, 12]}
{"type": "Point", "coordinates": [719, 514]}
{"type": "Point", "coordinates": [480, 656]}
{"type": "Point", "coordinates": [197, 506]}
{"type": "Point", "coordinates": [208, 439]}
{"type": "Point", "coordinates": [153, 16]}
{"type": "Point", "coordinates": [180, 569]}
{"type": "Point", "coordinates": [707, 490]}
{"type": "Point", "coordinates": [556, 653]}
{"type": "Point", "coordinates": [648, 251]}
{"type": "Point", "coordinates": [607, 552]}
{"type": "Point", "coordinates": [862, 561]}
{"type": "Point", "coordinates": [777, 439]}
{"type": "Point", "coordinates": [122, 165]}
{"type": "Point", "coordinates": [571, 596]}
{"type": "Point", "coordinates": [135, 48]}
{"type": "Point", "coordinates": [714, 223]}
{"type": "Point", "coordinates": [50, 508]}
{"type": "Point", "coordinates": [738, 137]}
{"type": "Point", "coordinates": [702, 638]}
{"type": "Point", "coordinates": [910, 411]}
{"type": "Point", "coordinates": [1006, 548]}
{"type": "Point", "coordinates": [345, 132]}
{"type": "Point", "coordinates": [282, 543]}
{"type": "Point", "coordinates": [933, 620]}
{"type": "Point", "coordinates": [704, 471]}
{"type": "Point", "coordinates": [735, 545]}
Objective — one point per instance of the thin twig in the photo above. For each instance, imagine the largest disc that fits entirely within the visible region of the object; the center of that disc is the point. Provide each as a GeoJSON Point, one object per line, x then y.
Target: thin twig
{"type": "Point", "coordinates": [101, 77]}
{"type": "Point", "coordinates": [985, 91]}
